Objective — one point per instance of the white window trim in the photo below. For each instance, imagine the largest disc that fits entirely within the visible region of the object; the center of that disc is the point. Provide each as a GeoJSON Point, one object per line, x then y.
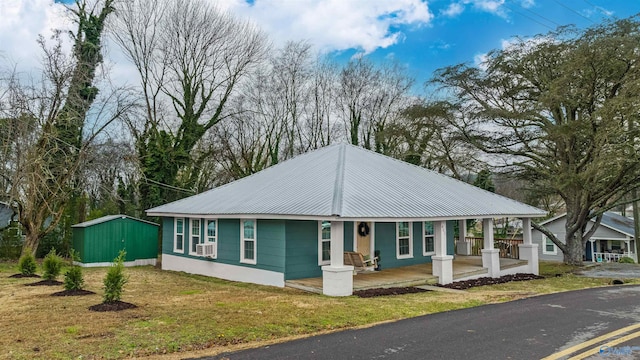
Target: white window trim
{"type": "Point", "coordinates": [320, 241]}
{"type": "Point", "coordinates": [215, 238]}
{"type": "Point", "coordinates": [424, 242]}
{"type": "Point", "coordinates": [544, 246]}
{"type": "Point", "coordinates": [175, 235]}
{"type": "Point", "coordinates": [191, 251]}
{"type": "Point", "coordinates": [243, 260]}
{"type": "Point", "coordinates": [406, 256]}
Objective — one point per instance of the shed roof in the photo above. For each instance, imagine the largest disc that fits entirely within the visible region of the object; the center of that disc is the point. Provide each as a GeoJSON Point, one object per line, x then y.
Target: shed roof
{"type": "Point", "coordinates": [349, 182]}
{"type": "Point", "coordinates": [109, 218]}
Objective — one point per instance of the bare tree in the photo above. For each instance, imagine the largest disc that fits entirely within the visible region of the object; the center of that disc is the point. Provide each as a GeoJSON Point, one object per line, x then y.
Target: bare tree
{"type": "Point", "coordinates": [50, 146]}
{"type": "Point", "coordinates": [190, 57]}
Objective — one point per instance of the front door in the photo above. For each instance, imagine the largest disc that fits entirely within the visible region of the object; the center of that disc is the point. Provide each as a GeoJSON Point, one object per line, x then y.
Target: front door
{"type": "Point", "coordinates": [363, 237]}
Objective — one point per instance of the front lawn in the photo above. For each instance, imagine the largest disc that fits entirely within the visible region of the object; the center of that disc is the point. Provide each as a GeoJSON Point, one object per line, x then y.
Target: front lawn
{"type": "Point", "coordinates": [189, 315]}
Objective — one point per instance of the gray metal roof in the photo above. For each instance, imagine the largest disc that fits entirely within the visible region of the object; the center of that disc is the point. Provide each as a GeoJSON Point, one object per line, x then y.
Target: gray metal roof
{"type": "Point", "coordinates": [350, 182]}
{"type": "Point", "coordinates": [618, 223]}
{"type": "Point", "coordinates": [109, 218]}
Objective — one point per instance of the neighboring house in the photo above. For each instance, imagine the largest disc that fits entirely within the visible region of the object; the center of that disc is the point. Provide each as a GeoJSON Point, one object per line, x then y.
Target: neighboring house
{"type": "Point", "coordinates": [98, 242]}
{"type": "Point", "coordinates": [295, 219]}
{"type": "Point", "coordinates": [6, 215]}
{"type": "Point", "coordinates": [613, 239]}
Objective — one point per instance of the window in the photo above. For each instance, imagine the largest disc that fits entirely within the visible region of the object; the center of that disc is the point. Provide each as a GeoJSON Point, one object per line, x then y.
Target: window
{"type": "Point", "coordinates": [178, 237]}
{"type": "Point", "coordinates": [248, 242]}
{"type": "Point", "coordinates": [429, 239]}
{"type": "Point", "coordinates": [195, 235]}
{"type": "Point", "coordinates": [324, 243]}
{"type": "Point", "coordinates": [549, 247]}
{"type": "Point", "coordinates": [212, 235]}
{"type": "Point", "coordinates": [404, 248]}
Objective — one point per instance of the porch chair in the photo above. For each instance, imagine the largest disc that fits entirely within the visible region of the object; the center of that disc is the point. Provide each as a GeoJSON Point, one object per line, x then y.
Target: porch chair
{"type": "Point", "coordinates": [358, 261]}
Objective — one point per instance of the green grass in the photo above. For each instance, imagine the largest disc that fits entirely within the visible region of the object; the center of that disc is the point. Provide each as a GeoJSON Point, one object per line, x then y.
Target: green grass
{"type": "Point", "coordinates": [181, 315]}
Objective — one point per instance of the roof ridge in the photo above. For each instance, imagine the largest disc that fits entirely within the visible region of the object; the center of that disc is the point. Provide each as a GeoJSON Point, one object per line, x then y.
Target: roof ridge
{"type": "Point", "coordinates": [438, 174]}
{"type": "Point", "coordinates": [338, 186]}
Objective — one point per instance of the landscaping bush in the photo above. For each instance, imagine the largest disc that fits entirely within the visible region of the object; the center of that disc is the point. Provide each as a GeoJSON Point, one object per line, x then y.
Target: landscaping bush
{"type": "Point", "coordinates": [51, 265]}
{"type": "Point", "coordinates": [115, 280]}
{"type": "Point", "coordinates": [626, 260]}
{"type": "Point", "coordinates": [73, 279]}
{"type": "Point", "coordinates": [27, 264]}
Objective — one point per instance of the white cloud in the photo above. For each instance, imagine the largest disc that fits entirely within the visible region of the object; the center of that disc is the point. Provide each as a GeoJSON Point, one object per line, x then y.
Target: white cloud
{"type": "Point", "coordinates": [22, 22]}
{"type": "Point", "coordinates": [334, 24]}
{"type": "Point", "coordinates": [453, 10]}
{"type": "Point", "coordinates": [528, 3]}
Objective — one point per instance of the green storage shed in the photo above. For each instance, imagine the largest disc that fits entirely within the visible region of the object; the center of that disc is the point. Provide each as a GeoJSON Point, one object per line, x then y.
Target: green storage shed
{"type": "Point", "coordinates": [99, 241]}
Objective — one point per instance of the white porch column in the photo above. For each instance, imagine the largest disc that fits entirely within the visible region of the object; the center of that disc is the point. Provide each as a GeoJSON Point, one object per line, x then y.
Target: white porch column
{"type": "Point", "coordinates": [528, 250]}
{"type": "Point", "coordinates": [490, 256]}
{"type": "Point", "coordinates": [337, 279]}
{"type": "Point", "coordinates": [441, 263]}
{"type": "Point", "coordinates": [593, 256]}
{"type": "Point", "coordinates": [462, 247]}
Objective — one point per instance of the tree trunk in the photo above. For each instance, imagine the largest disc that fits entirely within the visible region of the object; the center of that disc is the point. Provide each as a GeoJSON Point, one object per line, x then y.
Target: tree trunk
{"type": "Point", "coordinates": [575, 250]}
{"type": "Point", "coordinates": [636, 220]}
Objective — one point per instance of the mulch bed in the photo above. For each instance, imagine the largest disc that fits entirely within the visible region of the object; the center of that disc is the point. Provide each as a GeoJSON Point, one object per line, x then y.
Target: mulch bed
{"type": "Point", "coordinates": [387, 291]}
{"type": "Point", "coordinates": [20, 276]}
{"type": "Point", "coordinates": [80, 292]}
{"type": "Point", "coordinates": [466, 284]}
{"type": "Point", "coordinates": [45, 283]}
{"type": "Point", "coordinates": [112, 306]}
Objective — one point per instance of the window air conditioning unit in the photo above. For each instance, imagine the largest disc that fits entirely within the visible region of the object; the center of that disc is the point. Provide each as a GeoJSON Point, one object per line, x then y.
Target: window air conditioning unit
{"type": "Point", "coordinates": [206, 250]}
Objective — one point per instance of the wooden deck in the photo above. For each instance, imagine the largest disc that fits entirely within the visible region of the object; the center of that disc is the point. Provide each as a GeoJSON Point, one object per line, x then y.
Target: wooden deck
{"type": "Point", "coordinates": [463, 266]}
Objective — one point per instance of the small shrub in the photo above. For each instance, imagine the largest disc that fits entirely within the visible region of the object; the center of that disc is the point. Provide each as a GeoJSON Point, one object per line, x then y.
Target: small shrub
{"type": "Point", "coordinates": [27, 264]}
{"type": "Point", "coordinates": [51, 265]}
{"type": "Point", "coordinates": [73, 279]}
{"type": "Point", "coordinates": [626, 260]}
{"type": "Point", "coordinates": [115, 280]}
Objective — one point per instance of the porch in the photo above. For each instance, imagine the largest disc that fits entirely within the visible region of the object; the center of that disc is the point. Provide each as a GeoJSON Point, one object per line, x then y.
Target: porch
{"type": "Point", "coordinates": [464, 268]}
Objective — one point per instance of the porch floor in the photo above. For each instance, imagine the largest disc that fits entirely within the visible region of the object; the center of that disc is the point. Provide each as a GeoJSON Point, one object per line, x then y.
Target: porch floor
{"type": "Point", "coordinates": [413, 275]}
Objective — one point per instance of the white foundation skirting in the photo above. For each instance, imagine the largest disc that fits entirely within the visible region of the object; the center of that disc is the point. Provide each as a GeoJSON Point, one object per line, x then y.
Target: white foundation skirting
{"type": "Point", "coordinates": [138, 262]}
{"type": "Point", "coordinates": [222, 271]}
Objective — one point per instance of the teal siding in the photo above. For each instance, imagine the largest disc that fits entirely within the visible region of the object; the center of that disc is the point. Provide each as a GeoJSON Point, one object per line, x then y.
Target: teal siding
{"type": "Point", "coordinates": [229, 241]}
{"type": "Point", "coordinates": [271, 245]}
{"type": "Point", "coordinates": [167, 235]}
{"type": "Point", "coordinates": [270, 242]}
{"type": "Point", "coordinates": [348, 236]}
{"type": "Point", "coordinates": [302, 249]}
{"type": "Point", "coordinates": [385, 240]}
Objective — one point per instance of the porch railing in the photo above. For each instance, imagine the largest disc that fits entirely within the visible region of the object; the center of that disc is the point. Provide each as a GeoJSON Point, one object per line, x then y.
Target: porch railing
{"type": "Point", "coordinates": [508, 247]}
{"type": "Point", "coordinates": [610, 257]}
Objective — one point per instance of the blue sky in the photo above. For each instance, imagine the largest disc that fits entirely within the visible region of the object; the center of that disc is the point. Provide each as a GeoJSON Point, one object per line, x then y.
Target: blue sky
{"type": "Point", "coordinates": [422, 35]}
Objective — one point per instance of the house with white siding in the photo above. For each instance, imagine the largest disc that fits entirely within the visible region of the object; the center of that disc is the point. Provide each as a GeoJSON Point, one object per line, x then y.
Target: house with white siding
{"type": "Point", "coordinates": [612, 240]}
{"type": "Point", "coordinates": [296, 219]}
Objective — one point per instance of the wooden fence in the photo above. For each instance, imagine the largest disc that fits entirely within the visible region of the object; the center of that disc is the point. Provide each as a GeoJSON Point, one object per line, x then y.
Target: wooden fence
{"type": "Point", "coordinates": [508, 247]}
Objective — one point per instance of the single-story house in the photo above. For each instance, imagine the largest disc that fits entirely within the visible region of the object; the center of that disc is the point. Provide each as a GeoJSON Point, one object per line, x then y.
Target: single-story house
{"type": "Point", "coordinates": [6, 215]}
{"type": "Point", "coordinates": [296, 219]}
{"type": "Point", "coordinates": [613, 239]}
{"type": "Point", "coordinates": [99, 241]}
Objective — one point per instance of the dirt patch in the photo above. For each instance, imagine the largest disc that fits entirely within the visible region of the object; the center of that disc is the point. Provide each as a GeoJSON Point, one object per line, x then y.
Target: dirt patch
{"type": "Point", "coordinates": [80, 292]}
{"type": "Point", "coordinates": [112, 306]}
{"type": "Point", "coordinates": [45, 283]}
{"type": "Point", "coordinates": [466, 284]}
{"type": "Point", "coordinates": [20, 276]}
{"type": "Point", "coordinates": [387, 291]}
